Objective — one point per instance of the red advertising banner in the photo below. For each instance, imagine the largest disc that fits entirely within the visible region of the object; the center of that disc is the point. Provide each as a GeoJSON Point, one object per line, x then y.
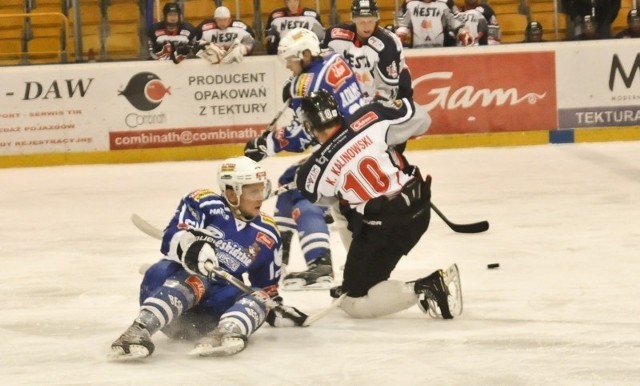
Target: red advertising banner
{"type": "Point", "coordinates": [487, 92]}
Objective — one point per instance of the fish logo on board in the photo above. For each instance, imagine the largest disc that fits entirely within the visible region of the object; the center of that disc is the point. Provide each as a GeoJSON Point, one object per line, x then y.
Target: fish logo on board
{"type": "Point", "coordinates": [145, 91]}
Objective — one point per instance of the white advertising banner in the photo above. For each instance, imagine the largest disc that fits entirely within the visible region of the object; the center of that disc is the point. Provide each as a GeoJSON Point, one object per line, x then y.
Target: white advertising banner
{"type": "Point", "coordinates": [598, 83]}
{"type": "Point", "coordinates": [136, 105]}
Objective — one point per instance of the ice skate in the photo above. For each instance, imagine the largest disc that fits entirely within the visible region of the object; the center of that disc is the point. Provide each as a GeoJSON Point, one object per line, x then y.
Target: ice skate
{"type": "Point", "coordinates": [433, 295]}
{"type": "Point", "coordinates": [135, 343]}
{"type": "Point", "coordinates": [318, 276]}
{"type": "Point", "coordinates": [223, 341]}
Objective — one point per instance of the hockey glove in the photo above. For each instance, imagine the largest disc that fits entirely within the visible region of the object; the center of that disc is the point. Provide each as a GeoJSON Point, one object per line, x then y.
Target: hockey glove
{"type": "Point", "coordinates": [285, 316]}
{"type": "Point", "coordinates": [197, 253]}
{"type": "Point", "coordinates": [256, 148]}
{"type": "Point", "coordinates": [234, 54]}
{"type": "Point", "coordinates": [465, 37]}
{"type": "Point", "coordinates": [210, 52]}
{"type": "Point", "coordinates": [165, 52]}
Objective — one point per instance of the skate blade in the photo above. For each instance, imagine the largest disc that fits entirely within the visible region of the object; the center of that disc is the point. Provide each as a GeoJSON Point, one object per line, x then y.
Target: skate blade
{"type": "Point", "coordinates": [323, 283]}
{"type": "Point", "coordinates": [231, 346]}
{"type": "Point", "coordinates": [135, 353]}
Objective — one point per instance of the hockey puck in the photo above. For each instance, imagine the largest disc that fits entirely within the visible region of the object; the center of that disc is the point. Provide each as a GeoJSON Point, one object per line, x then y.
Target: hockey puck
{"type": "Point", "coordinates": [493, 265]}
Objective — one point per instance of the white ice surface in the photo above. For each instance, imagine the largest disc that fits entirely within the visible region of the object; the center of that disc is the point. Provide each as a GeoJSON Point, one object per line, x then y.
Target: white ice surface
{"type": "Point", "coordinates": [562, 309]}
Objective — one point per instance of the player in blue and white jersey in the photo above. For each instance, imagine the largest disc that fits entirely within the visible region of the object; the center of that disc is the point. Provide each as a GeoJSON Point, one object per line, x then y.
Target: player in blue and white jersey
{"type": "Point", "coordinates": [179, 295]}
{"type": "Point", "coordinates": [312, 70]}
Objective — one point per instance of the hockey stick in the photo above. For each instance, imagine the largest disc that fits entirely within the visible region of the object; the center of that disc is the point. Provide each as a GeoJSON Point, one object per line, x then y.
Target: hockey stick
{"type": "Point", "coordinates": [476, 227]}
{"type": "Point", "coordinates": [303, 321]}
{"type": "Point", "coordinates": [146, 227]}
{"type": "Point", "coordinates": [273, 122]}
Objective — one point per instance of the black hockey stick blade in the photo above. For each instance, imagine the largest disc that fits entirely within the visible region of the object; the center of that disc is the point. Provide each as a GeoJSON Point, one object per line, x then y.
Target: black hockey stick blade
{"type": "Point", "coordinates": [476, 227]}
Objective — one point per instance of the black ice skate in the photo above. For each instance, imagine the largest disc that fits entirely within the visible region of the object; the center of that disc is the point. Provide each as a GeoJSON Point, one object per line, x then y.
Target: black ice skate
{"type": "Point", "coordinates": [318, 276]}
{"type": "Point", "coordinates": [134, 343]}
{"type": "Point", "coordinates": [433, 295]}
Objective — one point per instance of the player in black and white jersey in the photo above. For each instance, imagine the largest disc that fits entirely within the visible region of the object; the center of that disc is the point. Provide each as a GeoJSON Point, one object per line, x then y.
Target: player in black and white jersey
{"type": "Point", "coordinates": [231, 39]}
{"type": "Point", "coordinates": [375, 54]}
{"type": "Point", "coordinates": [429, 23]}
{"type": "Point", "coordinates": [283, 20]}
{"type": "Point", "coordinates": [470, 13]}
{"type": "Point", "coordinates": [384, 198]}
{"type": "Point", "coordinates": [171, 38]}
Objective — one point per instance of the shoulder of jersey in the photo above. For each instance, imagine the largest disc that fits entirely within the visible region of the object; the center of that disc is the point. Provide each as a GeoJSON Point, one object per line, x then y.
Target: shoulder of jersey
{"type": "Point", "coordinates": [364, 117]}
{"type": "Point", "coordinates": [309, 12]}
{"type": "Point", "coordinates": [202, 194]}
{"type": "Point", "coordinates": [380, 39]}
{"type": "Point", "coordinates": [269, 221]}
{"type": "Point", "coordinates": [207, 24]}
{"type": "Point", "coordinates": [342, 32]}
{"type": "Point", "coordinates": [239, 24]}
{"type": "Point", "coordinates": [279, 12]}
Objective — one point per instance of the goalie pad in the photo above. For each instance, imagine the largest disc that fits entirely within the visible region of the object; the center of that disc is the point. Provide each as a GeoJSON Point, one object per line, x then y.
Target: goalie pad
{"type": "Point", "coordinates": [212, 53]}
{"type": "Point", "coordinates": [234, 54]}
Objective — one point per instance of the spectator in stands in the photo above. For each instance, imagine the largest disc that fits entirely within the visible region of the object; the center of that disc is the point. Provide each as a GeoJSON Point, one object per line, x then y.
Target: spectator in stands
{"type": "Point", "coordinates": [493, 28]}
{"type": "Point", "coordinates": [171, 38]}
{"type": "Point", "coordinates": [603, 13]}
{"type": "Point", "coordinates": [425, 23]}
{"type": "Point", "coordinates": [292, 15]}
{"type": "Point", "coordinates": [633, 21]}
{"type": "Point", "coordinates": [476, 26]}
{"type": "Point", "coordinates": [229, 40]}
{"type": "Point", "coordinates": [589, 29]}
{"type": "Point", "coordinates": [533, 33]}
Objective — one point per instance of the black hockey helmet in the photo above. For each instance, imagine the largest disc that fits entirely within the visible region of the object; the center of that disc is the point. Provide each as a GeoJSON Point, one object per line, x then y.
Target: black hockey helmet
{"type": "Point", "coordinates": [364, 8]}
{"type": "Point", "coordinates": [171, 7]}
{"type": "Point", "coordinates": [633, 16]}
{"type": "Point", "coordinates": [319, 112]}
{"type": "Point", "coordinates": [534, 31]}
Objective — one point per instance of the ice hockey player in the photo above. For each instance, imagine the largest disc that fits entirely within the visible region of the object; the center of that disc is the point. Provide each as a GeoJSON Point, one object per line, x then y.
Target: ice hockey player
{"type": "Point", "coordinates": [487, 27]}
{"type": "Point", "coordinates": [282, 21]}
{"type": "Point", "coordinates": [227, 40]}
{"type": "Point", "coordinates": [426, 23]}
{"type": "Point", "coordinates": [180, 297]}
{"type": "Point", "coordinates": [172, 38]}
{"type": "Point", "coordinates": [312, 70]}
{"type": "Point", "coordinates": [385, 200]}
{"type": "Point", "coordinates": [376, 55]}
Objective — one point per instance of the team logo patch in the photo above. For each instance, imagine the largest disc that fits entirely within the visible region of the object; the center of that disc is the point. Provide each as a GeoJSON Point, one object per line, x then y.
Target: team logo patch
{"type": "Point", "coordinates": [262, 238]}
{"type": "Point", "coordinates": [253, 251]}
{"type": "Point", "coordinates": [200, 194]}
{"type": "Point", "coordinates": [392, 70]}
{"type": "Point", "coordinates": [312, 177]}
{"type": "Point", "coordinates": [363, 121]}
{"type": "Point", "coordinates": [340, 33]}
{"type": "Point", "coordinates": [338, 74]}
{"type": "Point", "coordinates": [376, 43]}
{"type": "Point", "coordinates": [302, 84]}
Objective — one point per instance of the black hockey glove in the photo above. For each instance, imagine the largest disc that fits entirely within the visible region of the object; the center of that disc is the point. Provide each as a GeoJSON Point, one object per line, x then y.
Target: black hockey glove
{"type": "Point", "coordinates": [197, 252]}
{"type": "Point", "coordinates": [256, 148]}
{"type": "Point", "coordinates": [285, 316]}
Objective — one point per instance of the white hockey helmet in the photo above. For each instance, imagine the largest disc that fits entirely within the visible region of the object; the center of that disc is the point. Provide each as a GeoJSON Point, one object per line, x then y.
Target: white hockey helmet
{"type": "Point", "coordinates": [296, 42]}
{"type": "Point", "coordinates": [240, 171]}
